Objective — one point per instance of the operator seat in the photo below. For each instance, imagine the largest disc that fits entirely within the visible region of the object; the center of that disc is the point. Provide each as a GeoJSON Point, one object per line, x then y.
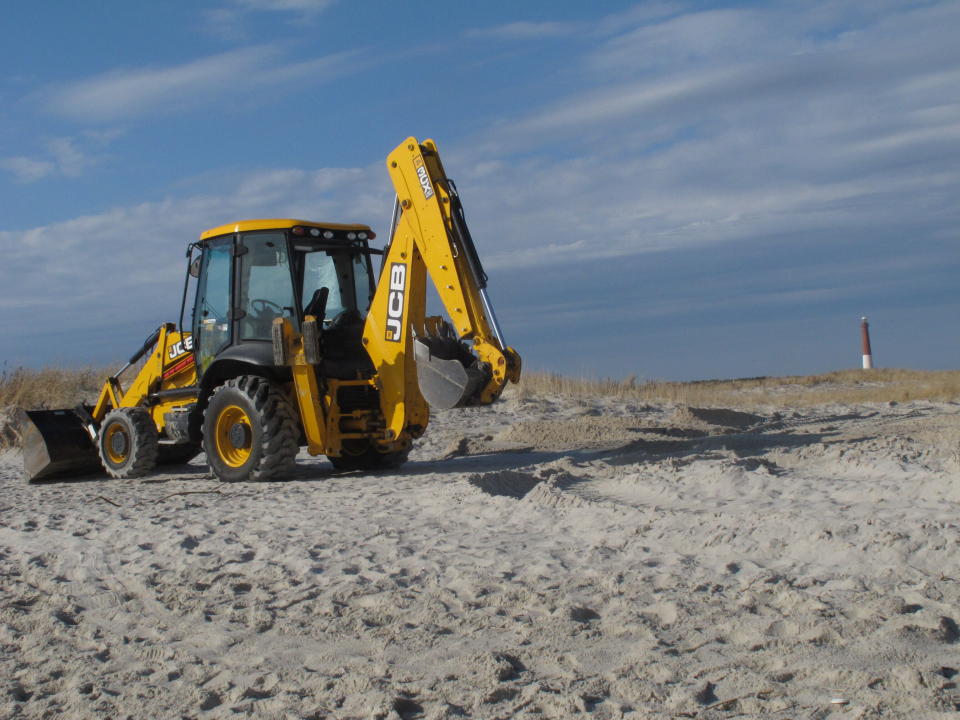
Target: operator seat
{"type": "Point", "coordinates": [318, 303]}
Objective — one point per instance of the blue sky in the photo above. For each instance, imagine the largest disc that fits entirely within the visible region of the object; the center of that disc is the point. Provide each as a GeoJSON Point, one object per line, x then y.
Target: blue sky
{"type": "Point", "coordinates": [674, 190]}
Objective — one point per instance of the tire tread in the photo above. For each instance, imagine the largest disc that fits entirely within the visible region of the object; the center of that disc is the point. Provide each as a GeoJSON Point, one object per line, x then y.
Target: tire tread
{"type": "Point", "coordinates": [279, 439]}
{"type": "Point", "coordinates": [144, 446]}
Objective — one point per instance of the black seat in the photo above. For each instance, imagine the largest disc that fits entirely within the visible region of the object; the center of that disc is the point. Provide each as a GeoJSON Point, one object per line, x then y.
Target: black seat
{"type": "Point", "coordinates": [318, 303]}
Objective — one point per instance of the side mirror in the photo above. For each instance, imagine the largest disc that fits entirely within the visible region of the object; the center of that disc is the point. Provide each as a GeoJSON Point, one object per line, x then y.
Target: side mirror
{"type": "Point", "coordinates": [195, 268]}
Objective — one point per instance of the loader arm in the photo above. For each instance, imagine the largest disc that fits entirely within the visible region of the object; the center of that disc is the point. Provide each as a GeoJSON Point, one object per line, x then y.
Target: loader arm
{"type": "Point", "coordinates": [169, 369]}
{"type": "Point", "coordinates": [64, 441]}
{"type": "Point", "coordinates": [431, 239]}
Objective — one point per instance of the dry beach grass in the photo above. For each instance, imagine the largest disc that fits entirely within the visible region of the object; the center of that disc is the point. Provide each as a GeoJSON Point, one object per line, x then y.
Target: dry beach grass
{"type": "Point", "coordinates": [847, 386]}
{"type": "Point", "coordinates": [52, 387]}
{"type": "Point", "coordinates": [49, 387]}
{"type": "Point", "coordinates": [580, 549]}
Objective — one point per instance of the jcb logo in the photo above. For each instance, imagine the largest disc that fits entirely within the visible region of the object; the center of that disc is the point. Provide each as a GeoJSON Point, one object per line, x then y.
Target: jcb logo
{"type": "Point", "coordinates": [395, 300]}
{"type": "Point", "coordinates": [179, 348]}
{"type": "Point", "coordinates": [423, 177]}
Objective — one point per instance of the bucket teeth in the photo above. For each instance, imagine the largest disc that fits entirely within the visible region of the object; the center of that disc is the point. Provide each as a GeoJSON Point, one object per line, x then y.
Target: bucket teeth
{"type": "Point", "coordinates": [56, 443]}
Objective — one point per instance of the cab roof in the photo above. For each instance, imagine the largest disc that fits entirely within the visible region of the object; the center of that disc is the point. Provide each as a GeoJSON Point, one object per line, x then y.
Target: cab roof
{"type": "Point", "coordinates": [276, 224]}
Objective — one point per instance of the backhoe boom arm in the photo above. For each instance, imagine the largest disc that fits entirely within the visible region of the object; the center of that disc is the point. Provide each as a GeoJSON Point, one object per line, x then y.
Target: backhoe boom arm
{"type": "Point", "coordinates": [431, 240]}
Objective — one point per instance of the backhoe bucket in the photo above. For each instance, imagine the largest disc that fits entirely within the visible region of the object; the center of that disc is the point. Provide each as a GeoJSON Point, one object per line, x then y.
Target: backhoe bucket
{"type": "Point", "coordinates": [56, 443]}
{"type": "Point", "coordinates": [447, 377]}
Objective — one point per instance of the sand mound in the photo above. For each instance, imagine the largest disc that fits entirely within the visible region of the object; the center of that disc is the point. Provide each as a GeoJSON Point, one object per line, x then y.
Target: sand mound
{"type": "Point", "coordinates": [467, 445]}
{"type": "Point", "coordinates": [581, 433]}
{"type": "Point", "coordinates": [504, 482]}
{"type": "Point", "coordinates": [715, 416]}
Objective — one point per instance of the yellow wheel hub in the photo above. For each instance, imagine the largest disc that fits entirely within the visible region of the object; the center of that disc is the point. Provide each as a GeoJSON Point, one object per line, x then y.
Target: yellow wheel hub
{"type": "Point", "coordinates": [234, 436]}
{"type": "Point", "coordinates": [116, 443]}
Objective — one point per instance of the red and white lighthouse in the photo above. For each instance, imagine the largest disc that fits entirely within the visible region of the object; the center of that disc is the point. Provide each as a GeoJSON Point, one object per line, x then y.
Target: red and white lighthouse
{"type": "Point", "coordinates": [865, 341]}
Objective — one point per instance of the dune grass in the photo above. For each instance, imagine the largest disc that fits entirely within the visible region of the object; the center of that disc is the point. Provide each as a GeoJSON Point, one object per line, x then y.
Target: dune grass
{"type": "Point", "coordinates": [50, 387]}
{"type": "Point", "coordinates": [842, 386]}
{"type": "Point", "coordinates": [54, 387]}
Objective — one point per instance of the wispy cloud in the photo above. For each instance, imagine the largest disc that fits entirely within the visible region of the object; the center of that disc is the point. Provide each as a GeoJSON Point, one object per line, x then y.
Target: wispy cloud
{"type": "Point", "coordinates": [708, 127]}
{"type": "Point", "coordinates": [643, 13]}
{"type": "Point", "coordinates": [714, 36]}
{"type": "Point", "coordinates": [70, 159]}
{"type": "Point", "coordinates": [525, 30]}
{"type": "Point", "coordinates": [62, 157]}
{"type": "Point", "coordinates": [298, 6]}
{"type": "Point", "coordinates": [611, 24]}
{"type": "Point", "coordinates": [767, 122]}
{"type": "Point", "coordinates": [122, 94]}
{"type": "Point", "coordinates": [27, 169]}
{"type": "Point", "coordinates": [229, 19]}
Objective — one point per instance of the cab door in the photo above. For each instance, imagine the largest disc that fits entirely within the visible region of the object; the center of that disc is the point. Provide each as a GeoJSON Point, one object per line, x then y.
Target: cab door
{"type": "Point", "coordinates": [212, 312]}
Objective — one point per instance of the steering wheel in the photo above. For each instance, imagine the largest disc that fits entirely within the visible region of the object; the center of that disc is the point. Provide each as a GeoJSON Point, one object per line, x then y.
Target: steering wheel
{"type": "Point", "coordinates": [261, 305]}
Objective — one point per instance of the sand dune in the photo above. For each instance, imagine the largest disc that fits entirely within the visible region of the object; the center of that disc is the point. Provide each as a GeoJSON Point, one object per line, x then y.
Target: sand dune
{"type": "Point", "coordinates": [541, 558]}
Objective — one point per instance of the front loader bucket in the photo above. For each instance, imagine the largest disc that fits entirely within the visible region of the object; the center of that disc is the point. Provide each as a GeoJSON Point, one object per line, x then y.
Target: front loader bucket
{"type": "Point", "coordinates": [445, 380]}
{"type": "Point", "coordinates": [56, 443]}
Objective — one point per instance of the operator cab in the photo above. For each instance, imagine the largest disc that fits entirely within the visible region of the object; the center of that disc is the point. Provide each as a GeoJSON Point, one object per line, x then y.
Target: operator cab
{"type": "Point", "coordinates": [254, 271]}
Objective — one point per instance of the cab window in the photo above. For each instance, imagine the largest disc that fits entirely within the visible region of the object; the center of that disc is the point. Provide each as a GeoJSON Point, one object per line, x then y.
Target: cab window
{"type": "Point", "coordinates": [343, 271]}
{"type": "Point", "coordinates": [266, 285]}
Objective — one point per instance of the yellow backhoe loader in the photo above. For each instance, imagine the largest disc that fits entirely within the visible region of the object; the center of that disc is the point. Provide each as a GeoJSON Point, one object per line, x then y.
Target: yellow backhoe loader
{"type": "Point", "coordinates": [293, 342]}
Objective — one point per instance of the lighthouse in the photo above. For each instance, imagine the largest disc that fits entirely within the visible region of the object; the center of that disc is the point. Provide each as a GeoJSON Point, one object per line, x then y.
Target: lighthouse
{"type": "Point", "coordinates": [865, 342]}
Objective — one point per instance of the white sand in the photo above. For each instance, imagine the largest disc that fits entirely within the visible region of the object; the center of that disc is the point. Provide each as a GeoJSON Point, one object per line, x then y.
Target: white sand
{"type": "Point", "coordinates": [537, 559]}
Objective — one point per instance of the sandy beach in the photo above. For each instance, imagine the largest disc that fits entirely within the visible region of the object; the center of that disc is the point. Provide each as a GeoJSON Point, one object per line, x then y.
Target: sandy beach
{"type": "Point", "coordinates": [542, 558]}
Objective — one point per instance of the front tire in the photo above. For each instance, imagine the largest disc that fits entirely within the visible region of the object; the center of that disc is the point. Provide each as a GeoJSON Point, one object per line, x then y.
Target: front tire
{"type": "Point", "coordinates": [250, 431]}
{"type": "Point", "coordinates": [128, 443]}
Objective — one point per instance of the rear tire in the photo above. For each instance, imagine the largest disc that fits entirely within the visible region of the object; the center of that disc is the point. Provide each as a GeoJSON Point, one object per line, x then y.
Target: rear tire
{"type": "Point", "coordinates": [250, 431]}
{"type": "Point", "coordinates": [128, 443]}
{"type": "Point", "coordinates": [367, 458]}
